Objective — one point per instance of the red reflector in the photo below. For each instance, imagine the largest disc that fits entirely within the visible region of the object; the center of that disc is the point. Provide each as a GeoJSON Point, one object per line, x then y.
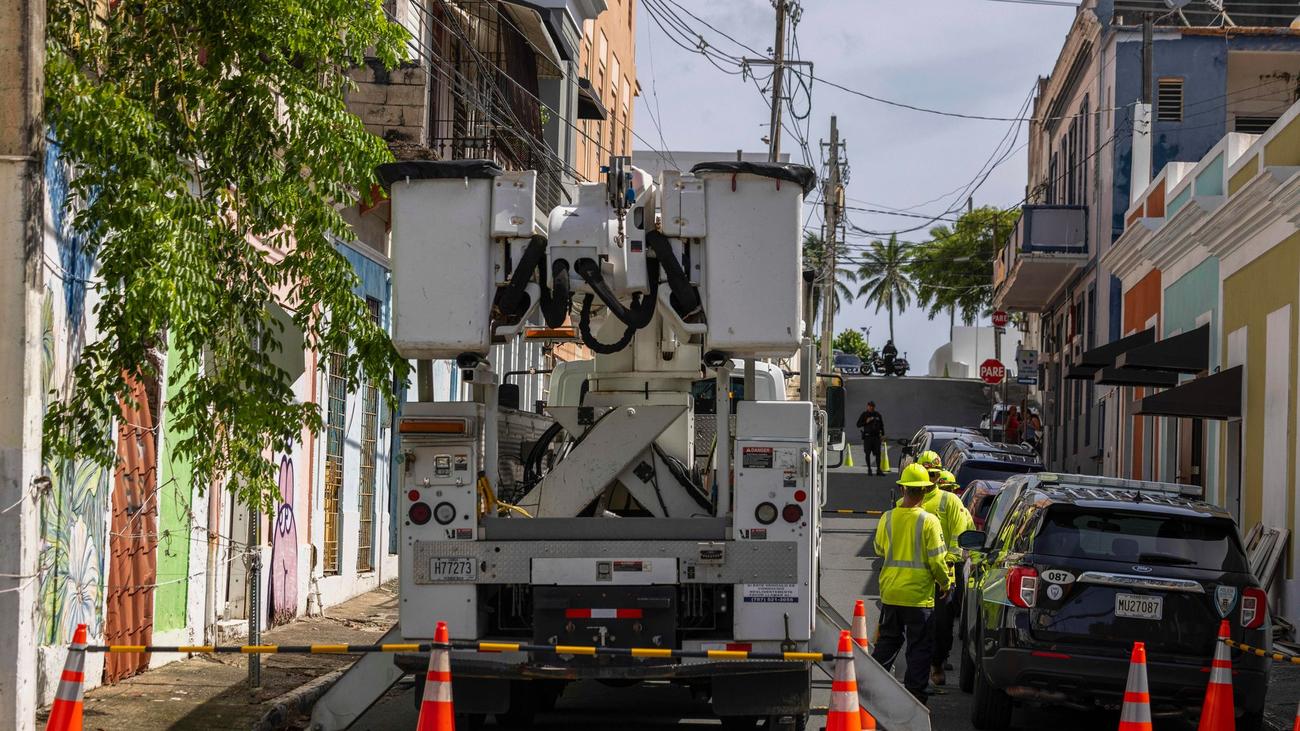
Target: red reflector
{"type": "Point", "coordinates": [800, 496]}
{"type": "Point", "coordinates": [584, 613]}
{"type": "Point", "coordinates": [1050, 655]}
{"type": "Point", "coordinates": [413, 495]}
{"type": "Point", "coordinates": [739, 647]}
{"type": "Point", "coordinates": [792, 513]}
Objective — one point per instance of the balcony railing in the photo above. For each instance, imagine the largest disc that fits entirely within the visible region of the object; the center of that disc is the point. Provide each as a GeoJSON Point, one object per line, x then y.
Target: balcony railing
{"type": "Point", "coordinates": [1048, 245]}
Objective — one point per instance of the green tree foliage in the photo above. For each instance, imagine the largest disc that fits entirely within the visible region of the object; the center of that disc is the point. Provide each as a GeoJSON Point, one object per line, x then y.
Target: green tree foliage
{"type": "Point", "coordinates": [851, 341]}
{"type": "Point", "coordinates": [885, 274]}
{"type": "Point", "coordinates": [195, 128]}
{"type": "Point", "coordinates": [954, 270]}
{"type": "Point", "coordinates": [816, 256]}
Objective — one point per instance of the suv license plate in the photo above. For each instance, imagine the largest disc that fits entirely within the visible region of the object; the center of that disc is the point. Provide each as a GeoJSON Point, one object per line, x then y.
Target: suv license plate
{"type": "Point", "coordinates": [453, 569]}
{"type": "Point", "coordinates": [1138, 606]}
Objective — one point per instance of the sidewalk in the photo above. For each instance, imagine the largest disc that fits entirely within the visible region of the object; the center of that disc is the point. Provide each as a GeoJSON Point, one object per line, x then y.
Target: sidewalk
{"type": "Point", "coordinates": [211, 691]}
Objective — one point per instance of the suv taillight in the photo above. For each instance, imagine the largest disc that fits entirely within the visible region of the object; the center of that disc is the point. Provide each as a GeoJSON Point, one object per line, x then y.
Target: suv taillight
{"type": "Point", "coordinates": [1254, 608]}
{"type": "Point", "coordinates": [1022, 586]}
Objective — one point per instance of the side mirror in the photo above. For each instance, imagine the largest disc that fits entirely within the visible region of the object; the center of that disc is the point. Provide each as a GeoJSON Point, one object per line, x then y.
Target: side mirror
{"type": "Point", "coordinates": [508, 396]}
{"type": "Point", "coordinates": [835, 407]}
{"type": "Point", "coordinates": [972, 540]}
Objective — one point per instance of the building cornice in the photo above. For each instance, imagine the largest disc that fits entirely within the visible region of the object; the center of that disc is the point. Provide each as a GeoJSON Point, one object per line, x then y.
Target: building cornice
{"type": "Point", "coordinates": [1130, 251]}
{"type": "Point", "coordinates": [1181, 233]}
{"type": "Point", "coordinates": [1247, 212]}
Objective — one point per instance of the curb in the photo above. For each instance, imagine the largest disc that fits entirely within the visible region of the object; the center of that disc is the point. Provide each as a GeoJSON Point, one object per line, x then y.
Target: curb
{"type": "Point", "coordinates": [298, 701]}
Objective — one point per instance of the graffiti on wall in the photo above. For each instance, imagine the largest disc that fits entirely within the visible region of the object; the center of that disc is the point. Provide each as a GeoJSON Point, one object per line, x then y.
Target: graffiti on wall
{"type": "Point", "coordinates": [283, 604]}
{"type": "Point", "coordinates": [73, 512]}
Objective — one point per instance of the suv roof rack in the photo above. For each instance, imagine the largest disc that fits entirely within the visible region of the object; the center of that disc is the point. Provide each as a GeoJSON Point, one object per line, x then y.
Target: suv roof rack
{"type": "Point", "coordinates": [1120, 483]}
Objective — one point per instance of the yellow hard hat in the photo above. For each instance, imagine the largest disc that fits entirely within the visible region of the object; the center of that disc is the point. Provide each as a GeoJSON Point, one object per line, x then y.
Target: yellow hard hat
{"type": "Point", "coordinates": [930, 459]}
{"type": "Point", "coordinates": [914, 475]}
{"type": "Point", "coordinates": [947, 478]}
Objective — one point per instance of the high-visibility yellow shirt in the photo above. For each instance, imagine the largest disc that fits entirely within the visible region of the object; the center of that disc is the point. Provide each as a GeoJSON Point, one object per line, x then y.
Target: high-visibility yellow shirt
{"type": "Point", "coordinates": [953, 517]}
{"type": "Point", "coordinates": [910, 540]}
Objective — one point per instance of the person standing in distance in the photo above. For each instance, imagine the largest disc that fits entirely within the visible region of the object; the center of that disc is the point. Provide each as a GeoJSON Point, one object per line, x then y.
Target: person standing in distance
{"type": "Point", "coordinates": [914, 571]}
{"type": "Point", "coordinates": [872, 425]}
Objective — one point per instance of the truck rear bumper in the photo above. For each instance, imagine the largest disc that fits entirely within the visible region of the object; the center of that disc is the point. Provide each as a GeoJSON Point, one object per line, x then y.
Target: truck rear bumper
{"type": "Point", "coordinates": [470, 666]}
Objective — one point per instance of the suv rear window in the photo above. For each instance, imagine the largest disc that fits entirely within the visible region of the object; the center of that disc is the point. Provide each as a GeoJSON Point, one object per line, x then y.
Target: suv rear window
{"type": "Point", "coordinates": [1141, 538]}
{"type": "Point", "coordinates": [992, 470]}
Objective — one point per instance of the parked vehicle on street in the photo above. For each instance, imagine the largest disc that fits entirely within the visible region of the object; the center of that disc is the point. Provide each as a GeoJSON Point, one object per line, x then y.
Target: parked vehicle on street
{"type": "Point", "coordinates": [1073, 569]}
{"type": "Point", "coordinates": [994, 423]}
{"type": "Point", "coordinates": [972, 457]}
{"type": "Point", "coordinates": [890, 366]}
{"type": "Point", "coordinates": [978, 498]}
{"type": "Point", "coordinates": [933, 437]}
{"type": "Point", "coordinates": [848, 364]}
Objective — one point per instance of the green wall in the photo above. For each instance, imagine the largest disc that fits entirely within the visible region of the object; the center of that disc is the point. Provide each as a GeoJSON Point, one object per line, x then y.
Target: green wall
{"type": "Point", "coordinates": [176, 490]}
{"type": "Point", "coordinates": [1194, 294]}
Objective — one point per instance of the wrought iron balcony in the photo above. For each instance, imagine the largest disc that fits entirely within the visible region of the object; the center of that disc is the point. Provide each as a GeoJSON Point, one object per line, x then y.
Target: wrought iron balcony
{"type": "Point", "coordinates": [1047, 247]}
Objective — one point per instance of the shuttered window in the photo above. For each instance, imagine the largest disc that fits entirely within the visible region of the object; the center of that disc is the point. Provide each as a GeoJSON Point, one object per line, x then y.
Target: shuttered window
{"type": "Point", "coordinates": [1169, 100]}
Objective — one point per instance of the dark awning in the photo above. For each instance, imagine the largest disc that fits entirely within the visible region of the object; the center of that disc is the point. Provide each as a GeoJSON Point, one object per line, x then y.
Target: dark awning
{"type": "Point", "coordinates": [1103, 356]}
{"type": "Point", "coordinates": [1112, 376]}
{"type": "Point", "coordinates": [589, 104]}
{"type": "Point", "coordinates": [1217, 396]}
{"type": "Point", "coordinates": [1186, 353]}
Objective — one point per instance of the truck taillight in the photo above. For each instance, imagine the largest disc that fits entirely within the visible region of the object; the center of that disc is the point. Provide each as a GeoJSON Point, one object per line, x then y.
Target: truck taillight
{"type": "Point", "coordinates": [420, 513]}
{"type": "Point", "coordinates": [1022, 586]}
{"type": "Point", "coordinates": [1254, 608]}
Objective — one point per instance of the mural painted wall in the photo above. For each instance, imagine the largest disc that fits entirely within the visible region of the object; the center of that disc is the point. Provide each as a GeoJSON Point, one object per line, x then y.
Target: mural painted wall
{"type": "Point", "coordinates": [73, 512]}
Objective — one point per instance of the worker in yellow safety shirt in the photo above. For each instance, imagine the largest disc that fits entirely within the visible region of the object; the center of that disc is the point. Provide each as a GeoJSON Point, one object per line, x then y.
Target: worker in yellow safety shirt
{"type": "Point", "coordinates": [929, 459]}
{"type": "Point", "coordinates": [914, 572]}
{"type": "Point", "coordinates": [954, 519]}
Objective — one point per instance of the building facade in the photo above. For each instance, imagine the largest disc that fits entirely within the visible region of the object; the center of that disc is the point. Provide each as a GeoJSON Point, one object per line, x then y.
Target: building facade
{"type": "Point", "coordinates": [1093, 146]}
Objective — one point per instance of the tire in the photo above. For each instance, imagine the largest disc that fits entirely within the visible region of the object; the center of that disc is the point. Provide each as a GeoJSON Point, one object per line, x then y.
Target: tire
{"type": "Point", "coordinates": [966, 675]}
{"type": "Point", "coordinates": [800, 722]}
{"type": "Point", "coordinates": [470, 721]}
{"type": "Point", "coordinates": [739, 723]}
{"type": "Point", "coordinates": [991, 708]}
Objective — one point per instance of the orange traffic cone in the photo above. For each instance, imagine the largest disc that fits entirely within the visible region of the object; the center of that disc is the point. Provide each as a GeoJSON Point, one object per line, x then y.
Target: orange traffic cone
{"type": "Point", "coordinates": [1218, 714]}
{"type": "Point", "coordinates": [860, 637]}
{"type": "Point", "coordinates": [66, 713]}
{"type": "Point", "coordinates": [1136, 713]}
{"type": "Point", "coordinates": [436, 712]}
{"type": "Point", "coordinates": [1296, 727]}
{"type": "Point", "coordinates": [843, 714]}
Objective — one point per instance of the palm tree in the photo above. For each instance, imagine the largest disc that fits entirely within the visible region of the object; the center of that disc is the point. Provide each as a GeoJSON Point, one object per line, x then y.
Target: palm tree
{"type": "Point", "coordinates": [815, 258]}
{"type": "Point", "coordinates": [883, 272]}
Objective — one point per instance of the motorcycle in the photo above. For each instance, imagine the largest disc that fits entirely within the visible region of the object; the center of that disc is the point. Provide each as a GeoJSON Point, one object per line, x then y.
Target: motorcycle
{"type": "Point", "coordinates": [890, 365]}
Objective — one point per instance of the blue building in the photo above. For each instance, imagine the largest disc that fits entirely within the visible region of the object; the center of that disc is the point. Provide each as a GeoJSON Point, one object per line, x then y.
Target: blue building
{"type": "Point", "coordinates": [1093, 145]}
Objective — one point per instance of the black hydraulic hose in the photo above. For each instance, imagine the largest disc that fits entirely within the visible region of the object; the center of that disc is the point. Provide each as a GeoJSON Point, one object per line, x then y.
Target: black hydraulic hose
{"type": "Point", "coordinates": [512, 300]}
{"type": "Point", "coordinates": [557, 297]}
{"type": "Point", "coordinates": [589, 340]}
{"type": "Point", "coordinates": [642, 309]}
{"type": "Point", "coordinates": [685, 297]}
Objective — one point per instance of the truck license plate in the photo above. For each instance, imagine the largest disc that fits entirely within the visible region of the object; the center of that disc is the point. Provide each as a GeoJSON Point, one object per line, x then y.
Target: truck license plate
{"type": "Point", "coordinates": [1137, 606]}
{"type": "Point", "coordinates": [453, 569]}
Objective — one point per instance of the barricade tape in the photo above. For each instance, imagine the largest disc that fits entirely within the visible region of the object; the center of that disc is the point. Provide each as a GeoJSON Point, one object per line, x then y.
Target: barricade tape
{"type": "Point", "coordinates": [474, 646]}
{"type": "Point", "coordinates": [1260, 652]}
{"type": "Point", "coordinates": [853, 512]}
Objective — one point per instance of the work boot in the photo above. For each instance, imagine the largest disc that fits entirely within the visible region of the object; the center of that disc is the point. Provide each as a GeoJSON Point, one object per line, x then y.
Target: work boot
{"type": "Point", "coordinates": [937, 676]}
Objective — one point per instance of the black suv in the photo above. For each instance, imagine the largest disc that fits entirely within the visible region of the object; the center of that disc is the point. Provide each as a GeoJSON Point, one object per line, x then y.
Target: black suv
{"type": "Point", "coordinates": [1074, 569]}
{"type": "Point", "coordinates": [972, 457]}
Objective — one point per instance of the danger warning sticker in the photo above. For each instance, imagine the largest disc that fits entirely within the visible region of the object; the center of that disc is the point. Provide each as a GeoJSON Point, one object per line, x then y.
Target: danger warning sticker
{"type": "Point", "coordinates": [757, 458]}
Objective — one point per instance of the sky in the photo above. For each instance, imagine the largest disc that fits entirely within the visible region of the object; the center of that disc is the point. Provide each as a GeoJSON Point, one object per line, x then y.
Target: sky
{"type": "Point", "coordinates": [966, 56]}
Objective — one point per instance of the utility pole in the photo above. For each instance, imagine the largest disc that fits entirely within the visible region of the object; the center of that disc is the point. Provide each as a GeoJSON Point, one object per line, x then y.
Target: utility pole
{"type": "Point", "coordinates": [831, 201]}
{"type": "Point", "coordinates": [22, 232]}
{"type": "Point", "coordinates": [778, 82]}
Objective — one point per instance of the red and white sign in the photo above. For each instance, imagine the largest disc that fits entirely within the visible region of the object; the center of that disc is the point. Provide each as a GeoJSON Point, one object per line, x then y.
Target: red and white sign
{"type": "Point", "coordinates": [1001, 318]}
{"type": "Point", "coordinates": [992, 371]}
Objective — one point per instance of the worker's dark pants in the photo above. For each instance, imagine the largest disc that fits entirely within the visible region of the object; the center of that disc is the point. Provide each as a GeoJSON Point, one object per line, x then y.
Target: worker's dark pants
{"type": "Point", "coordinates": [912, 623]}
{"type": "Point", "coordinates": [945, 616]}
{"type": "Point", "coordinates": [872, 447]}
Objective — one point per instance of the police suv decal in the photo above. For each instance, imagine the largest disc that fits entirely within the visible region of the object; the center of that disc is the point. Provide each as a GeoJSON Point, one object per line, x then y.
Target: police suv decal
{"type": "Point", "coordinates": [1225, 598]}
{"type": "Point", "coordinates": [1058, 576]}
{"type": "Point", "coordinates": [1055, 592]}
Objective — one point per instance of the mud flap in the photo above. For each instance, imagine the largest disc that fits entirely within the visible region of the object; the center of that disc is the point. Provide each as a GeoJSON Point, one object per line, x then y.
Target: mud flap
{"type": "Point", "coordinates": [894, 708]}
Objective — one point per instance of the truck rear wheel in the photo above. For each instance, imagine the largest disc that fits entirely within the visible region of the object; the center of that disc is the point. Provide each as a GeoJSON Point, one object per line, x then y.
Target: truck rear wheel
{"type": "Point", "coordinates": [739, 723]}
